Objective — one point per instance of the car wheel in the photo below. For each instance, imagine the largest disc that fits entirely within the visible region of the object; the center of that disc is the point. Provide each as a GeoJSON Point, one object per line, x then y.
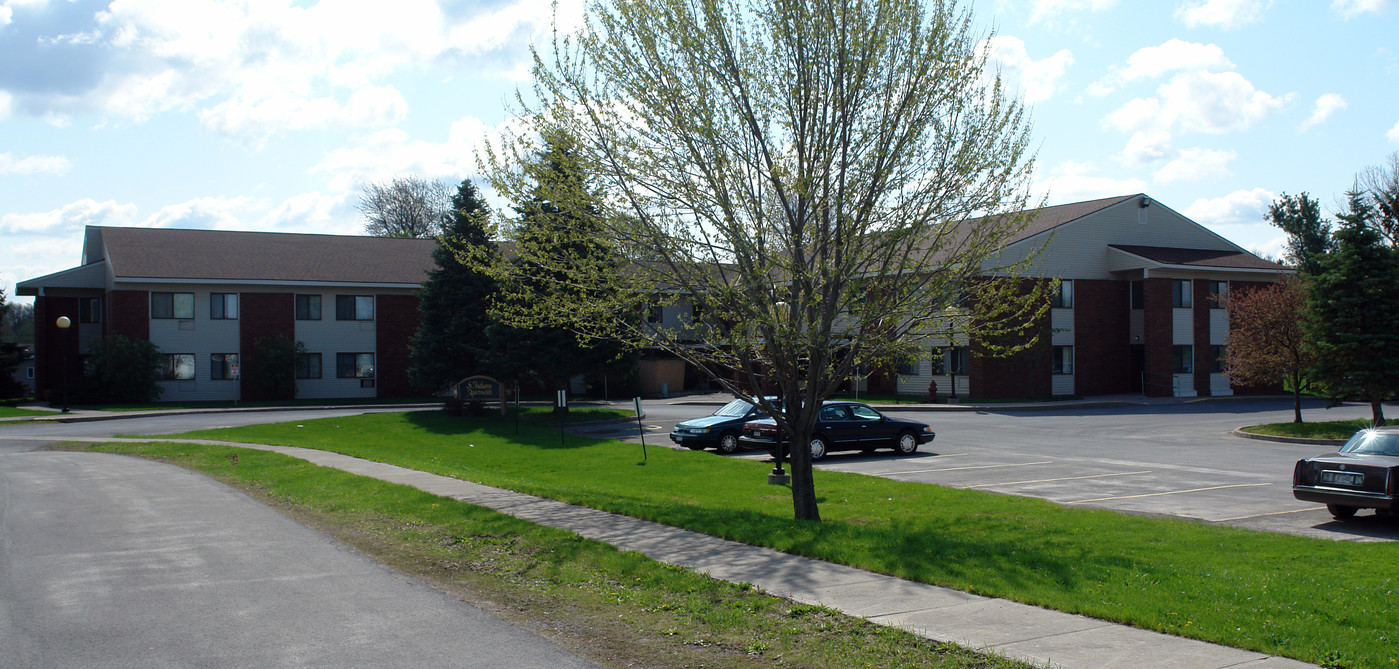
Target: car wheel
{"type": "Point", "coordinates": [728, 443]}
{"type": "Point", "coordinates": [1340, 512]}
{"type": "Point", "coordinates": [818, 448]}
{"type": "Point", "coordinates": [907, 444]}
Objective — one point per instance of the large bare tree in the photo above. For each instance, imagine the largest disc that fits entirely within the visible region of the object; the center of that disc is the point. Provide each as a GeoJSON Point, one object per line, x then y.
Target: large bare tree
{"type": "Point", "coordinates": [405, 207]}
{"type": "Point", "coordinates": [826, 181]}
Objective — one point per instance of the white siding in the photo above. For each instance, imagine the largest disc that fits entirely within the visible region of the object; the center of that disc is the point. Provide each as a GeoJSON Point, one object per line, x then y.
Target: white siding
{"type": "Point", "coordinates": [1184, 385]}
{"type": "Point", "coordinates": [1182, 327]}
{"type": "Point", "coordinates": [1078, 250]}
{"type": "Point", "coordinates": [1219, 327]}
{"type": "Point", "coordinates": [1062, 384]}
{"type": "Point", "coordinates": [203, 337]}
{"type": "Point", "coordinates": [1219, 385]}
{"type": "Point", "coordinates": [328, 336]}
{"type": "Point", "coordinates": [1061, 327]}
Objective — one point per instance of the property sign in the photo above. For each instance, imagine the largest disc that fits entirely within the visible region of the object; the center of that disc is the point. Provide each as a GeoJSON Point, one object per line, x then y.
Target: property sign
{"type": "Point", "coordinates": [480, 389]}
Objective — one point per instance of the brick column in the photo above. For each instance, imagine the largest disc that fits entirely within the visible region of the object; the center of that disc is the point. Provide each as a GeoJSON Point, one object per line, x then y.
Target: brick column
{"type": "Point", "coordinates": [396, 320]}
{"type": "Point", "coordinates": [261, 315]}
{"type": "Point", "coordinates": [1102, 352]}
{"type": "Point", "coordinates": [1023, 375]}
{"type": "Point", "coordinates": [50, 344]}
{"type": "Point", "coordinates": [128, 314]}
{"type": "Point", "coordinates": [1156, 336]}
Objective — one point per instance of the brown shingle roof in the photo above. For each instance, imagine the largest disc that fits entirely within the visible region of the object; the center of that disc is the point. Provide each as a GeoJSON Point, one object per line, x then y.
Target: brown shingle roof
{"type": "Point", "coordinates": [1198, 257]}
{"type": "Point", "coordinates": [1048, 218]}
{"type": "Point", "coordinates": [163, 253]}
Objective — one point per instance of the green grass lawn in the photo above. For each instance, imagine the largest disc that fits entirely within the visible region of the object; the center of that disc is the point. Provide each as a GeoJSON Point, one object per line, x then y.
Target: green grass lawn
{"type": "Point", "coordinates": [1318, 601]}
{"type": "Point", "coordinates": [162, 406]}
{"type": "Point", "coordinates": [1335, 429]}
{"type": "Point", "coordinates": [12, 412]}
{"type": "Point", "coordinates": [616, 608]}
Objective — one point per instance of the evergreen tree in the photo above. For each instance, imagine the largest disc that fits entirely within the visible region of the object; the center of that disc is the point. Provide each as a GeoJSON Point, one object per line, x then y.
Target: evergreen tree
{"type": "Point", "coordinates": [1308, 234]}
{"type": "Point", "coordinates": [560, 221]}
{"type": "Point", "coordinates": [10, 356]}
{"type": "Point", "coordinates": [452, 341]}
{"type": "Point", "coordinates": [1354, 304]}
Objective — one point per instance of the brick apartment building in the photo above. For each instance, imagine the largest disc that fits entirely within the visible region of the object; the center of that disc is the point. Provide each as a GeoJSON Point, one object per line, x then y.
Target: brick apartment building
{"type": "Point", "coordinates": [1134, 315]}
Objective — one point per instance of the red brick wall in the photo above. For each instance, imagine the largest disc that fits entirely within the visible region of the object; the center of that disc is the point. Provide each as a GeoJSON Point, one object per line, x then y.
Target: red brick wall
{"type": "Point", "coordinates": [51, 345]}
{"type": "Point", "coordinates": [1200, 320]}
{"type": "Point", "coordinates": [1102, 352]}
{"type": "Point", "coordinates": [261, 315]}
{"type": "Point", "coordinates": [1023, 375]}
{"type": "Point", "coordinates": [1156, 336]}
{"type": "Point", "coordinates": [128, 314]}
{"type": "Point", "coordinates": [396, 321]}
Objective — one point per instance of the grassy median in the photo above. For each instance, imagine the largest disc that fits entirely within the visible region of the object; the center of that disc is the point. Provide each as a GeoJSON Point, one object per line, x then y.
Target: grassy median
{"type": "Point", "coordinates": [1319, 601]}
{"type": "Point", "coordinates": [615, 608]}
{"type": "Point", "coordinates": [1329, 429]}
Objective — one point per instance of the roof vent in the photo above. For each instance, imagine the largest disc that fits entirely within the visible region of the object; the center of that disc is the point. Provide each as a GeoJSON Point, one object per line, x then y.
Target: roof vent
{"type": "Point", "coordinates": [1146, 202]}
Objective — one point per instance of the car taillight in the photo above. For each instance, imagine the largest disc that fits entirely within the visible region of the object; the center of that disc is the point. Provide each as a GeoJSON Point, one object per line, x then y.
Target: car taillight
{"type": "Point", "coordinates": [1297, 472]}
{"type": "Point", "coordinates": [1390, 485]}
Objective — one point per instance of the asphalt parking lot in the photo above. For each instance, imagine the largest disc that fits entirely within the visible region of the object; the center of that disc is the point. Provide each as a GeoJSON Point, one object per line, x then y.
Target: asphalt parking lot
{"type": "Point", "coordinates": [1173, 459]}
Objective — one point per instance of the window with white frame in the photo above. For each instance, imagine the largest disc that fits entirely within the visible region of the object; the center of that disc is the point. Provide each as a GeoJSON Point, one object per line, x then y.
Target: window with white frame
{"type": "Point", "coordinates": [1063, 360]}
{"type": "Point", "coordinates": [354, 307]}
{"type": "Point", "coordinates": [1180, 293]}
{"type": "Point", "coordinates": [172, 305]}
{"type": "Point", "coordinates": [1219, 293]}
{"type": "Point", "coordinates": [1182, 359]}
{"type": "Point", "coordinates": [175, 366]}
{"type": "Point", "coordinates": [223, 306]}
{"type": "Point", "coordinates": [1064, 297]}
{"type": "Point", "coordinates": [308, 366]}
{"type": "Point", "coordinates": [354, 365]}
{"type": "Point", "coordinates": [89, 310]}
{"type": "Point", "coordinates": [955, 361]}
{"type": "Point", "coordinates": [308, 307]}
{"type": "Point", "coordinates": [1219, 359]}
{"type": "Point", "coordinates": [223, 366]}
{"type": "Point", "coordinates": [909, 367]}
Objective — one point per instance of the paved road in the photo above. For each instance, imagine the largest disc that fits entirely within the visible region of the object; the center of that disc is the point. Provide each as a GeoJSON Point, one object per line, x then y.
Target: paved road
{"type": "Point", "coordinates": [110, 561]}
{"type": "Point", "coordinates": [1172, 459]}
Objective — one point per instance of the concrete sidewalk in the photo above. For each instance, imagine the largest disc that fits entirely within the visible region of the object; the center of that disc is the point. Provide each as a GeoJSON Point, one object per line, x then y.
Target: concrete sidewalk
{"type": "Point", "coordinates": [1029, 633]}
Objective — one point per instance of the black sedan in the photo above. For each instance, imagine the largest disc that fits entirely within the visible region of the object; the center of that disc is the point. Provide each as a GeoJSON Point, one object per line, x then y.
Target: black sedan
{"type": "Point", "coordinates": [1364, 474]}
{"type": "Point", "coordinates": [846, 426]}
{"type": "Point", "coordinates": [718, 430]}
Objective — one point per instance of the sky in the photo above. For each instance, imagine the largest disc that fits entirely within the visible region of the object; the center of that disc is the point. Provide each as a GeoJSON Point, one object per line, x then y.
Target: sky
{"type": "Point", "coordinates": [271, 115]}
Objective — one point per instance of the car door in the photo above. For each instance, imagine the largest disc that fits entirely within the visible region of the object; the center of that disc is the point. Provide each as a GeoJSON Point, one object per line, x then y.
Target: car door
{"type": "Point", "coordinates": [869, 426]}
{"type": "Point", "coordinates": [840, 431]}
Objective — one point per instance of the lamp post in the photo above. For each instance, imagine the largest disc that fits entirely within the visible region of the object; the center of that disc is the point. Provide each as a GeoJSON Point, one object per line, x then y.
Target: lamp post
{"type": "Point", "coordinates": [63, 324]}
{"type": "Point", "coordinates": [777, 476]}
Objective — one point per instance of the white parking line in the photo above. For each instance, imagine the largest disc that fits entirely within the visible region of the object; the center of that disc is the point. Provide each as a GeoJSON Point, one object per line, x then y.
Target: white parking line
{"type": "Point", "coordinates": [1171, 492]}
{"type": "Point", "coordinates": [954, 469]}
{"type": "Point", "coordinates": [1063, 478]}
{"type": "Point", "coordinates": [1275, 513]}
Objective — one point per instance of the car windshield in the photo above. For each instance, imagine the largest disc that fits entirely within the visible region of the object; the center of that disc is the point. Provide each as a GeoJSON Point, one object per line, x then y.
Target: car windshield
{"type": "Point", "coordinates": [734, 409]}
{"type": "Point", "coordinates": [1370, 442]}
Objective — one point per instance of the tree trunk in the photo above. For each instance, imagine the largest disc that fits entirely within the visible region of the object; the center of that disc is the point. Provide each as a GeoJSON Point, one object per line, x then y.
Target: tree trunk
{"type": "Point", "coordinates": [1377, 411]}
{"type": "Point", "coordinates": [803, 487]}
{"type": "Point", "coordinates": [1296, 402]}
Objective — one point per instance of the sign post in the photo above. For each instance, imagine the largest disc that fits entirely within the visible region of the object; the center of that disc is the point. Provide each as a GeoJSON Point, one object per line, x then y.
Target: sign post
{"type": "Point", "coordinates": [561, 407]}
{"type": "Point", "coordinates": [636, 402]}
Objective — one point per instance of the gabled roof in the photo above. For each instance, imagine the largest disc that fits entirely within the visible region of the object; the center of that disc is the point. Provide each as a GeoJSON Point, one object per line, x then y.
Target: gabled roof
{"type": "Point", "coordinates": [1048, 218]}
{"type": "Point", "coordinates": [1199, 257]}
{"type": "Point", "coordinates": [219, 255]}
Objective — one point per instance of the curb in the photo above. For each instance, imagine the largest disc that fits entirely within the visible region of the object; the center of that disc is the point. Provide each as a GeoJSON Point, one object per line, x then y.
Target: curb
{"type": "Point", "coordinates": [894, 408]}
{"type": "Point", "coordinates": [69, 418]}
{"type": "Point", "coordinates": [1238, 432]}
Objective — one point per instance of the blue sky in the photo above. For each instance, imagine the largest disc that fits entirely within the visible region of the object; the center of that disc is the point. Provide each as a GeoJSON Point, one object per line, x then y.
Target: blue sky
{"type": "Point", "coordinates": [271, 114]}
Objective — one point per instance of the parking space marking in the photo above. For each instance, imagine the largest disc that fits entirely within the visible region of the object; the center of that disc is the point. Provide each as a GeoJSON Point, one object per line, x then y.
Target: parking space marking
{"type": "Point", "coordinates": [1169, 492]}
{"type": "Point", "coordinates": [1274, 513]}
{"type": "Point", "coordinates": [956, 469]}
{"type": "Point", "coordinates": [1062, 478]}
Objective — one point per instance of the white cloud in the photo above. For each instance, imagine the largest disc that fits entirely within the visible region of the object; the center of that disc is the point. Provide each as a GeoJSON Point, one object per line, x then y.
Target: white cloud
{"type": "Point", "coordinates": [55, 165]}
{"type": "Point", "coordinates": [1240, 206]}
{"type": "Point", "coordinates": [1173, 55]}
{"type": "Point", "coordinates": [1046, 8]}
{"type": "Point", "coordinates": [1352, 8]}
{"type": "Point", "coordinates": [1196, 164]}
{"type": "Point", "coordinates": [1208, 102]}
{"type": "Point", "coordinates": [69, 217]}
{"type": "Point", "coordinates": [1325, 106]}
{"type": "Point", "coordinates": [1227, 14]}
{"type": "Point", "coordinates": [207, 213]}
{"type": "Point", "coordinates": [1072, 182]}
{"type": "Point", "coordinates": [6, 15]}
{"type": "Point", "coordinates": [1036, 79]}
{"type": "Point", "coordinates": [393, 152]}
{"type": "Point", "coordinates": [315, 212]}
{"type": "Point", "coordinates": [6, 105]}
{"type": "Point", "coordinates": [1145, 147]}
{"type": "Point", "coordinates": [1393, 133]}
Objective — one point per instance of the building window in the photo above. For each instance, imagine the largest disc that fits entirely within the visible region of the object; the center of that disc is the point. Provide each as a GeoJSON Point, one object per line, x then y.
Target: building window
{"type": "Point", "coordinates": [90, 310]}
{"type": "Point", "coordinates": [176, 366]}
{"type": "Point", "coordinates": [223, 366]}
{"type": "Point", "coordinates": [1138, 295]}
{"type": "Point", "coordinates": [223, 306]}
{"type": "Point", "coordinates": [909, 367]}
{"type": "Point", "coordinates": [354, 307]}
{"type": "Point", "coordinates": [655, 314]}
{"type": "Point", "coordinates": [354, 365]}
{"type": "Point", "coordinates": [1183, 361]}
{"type": "Point", "coordinates": [1063, 360]}
{"type": "Point", "coordinates": [937, 365]}
{"type": "Point", "coordinates": [1180, 294]}
{"type": "Point", "coordinates": [1064, 297]}
{"type": "Point", "coordinates": [955, 361]}
{"type": "Point", "coordinates": [1219, 292]}
{"type": "Point", "coordinates": [28, 372]}
{"type": "Point", "coordinates": [172, 305]}
{"type": "Point", "coordinates": [308, 366]}
{"type": "Point", "coordinates": [1219, 359]}
{"type": "Point", "coordinates": [308, 307]}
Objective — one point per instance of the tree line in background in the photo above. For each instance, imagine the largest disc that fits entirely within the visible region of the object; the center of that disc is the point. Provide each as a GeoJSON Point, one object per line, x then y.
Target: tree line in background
{"type": "Point", "coordinates": [1331, 327]}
